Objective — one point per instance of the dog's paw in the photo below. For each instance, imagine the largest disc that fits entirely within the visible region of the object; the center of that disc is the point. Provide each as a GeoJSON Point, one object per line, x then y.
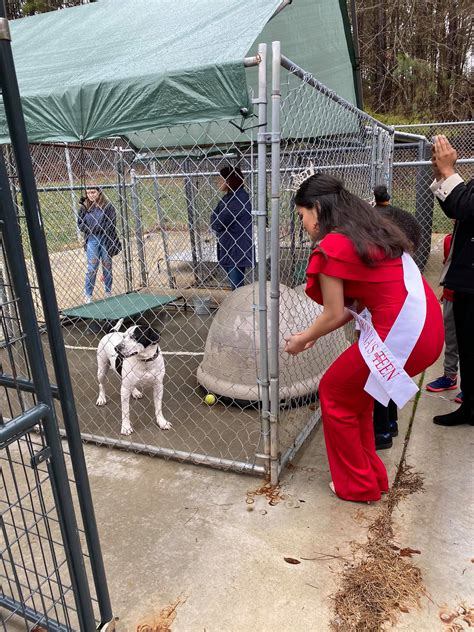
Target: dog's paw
{"type": "Point", "coordinates": [136, 394]}
{"type": "Point", "coordinates": [126, 430]}
{"type": "Point", "coordinates": [101, 400]}
{"type": "Point", "coordinates": [163, 424]}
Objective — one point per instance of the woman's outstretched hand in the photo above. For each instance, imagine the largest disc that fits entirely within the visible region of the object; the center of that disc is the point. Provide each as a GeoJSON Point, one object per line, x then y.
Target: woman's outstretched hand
{"type": "Point", "coordinates": [296, 344]}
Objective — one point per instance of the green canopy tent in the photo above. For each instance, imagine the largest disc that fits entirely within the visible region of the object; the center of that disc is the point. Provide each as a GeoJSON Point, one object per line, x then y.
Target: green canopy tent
{"type": "Point", "coordinates": [128, 67]}
{"type": "Point", "coordinates": [170, 79]}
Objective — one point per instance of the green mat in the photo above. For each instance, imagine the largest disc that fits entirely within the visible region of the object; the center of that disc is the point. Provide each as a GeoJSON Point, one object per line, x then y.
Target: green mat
{"type": "Point", "coordinates": [120, 306]}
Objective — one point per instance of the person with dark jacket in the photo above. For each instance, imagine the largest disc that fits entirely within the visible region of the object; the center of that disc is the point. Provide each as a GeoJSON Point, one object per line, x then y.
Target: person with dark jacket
{"type": "Point", "coordinates": [96, 220]}
{"type": "Point", "coordinates": [231, 221]}
{"type": "Point", "coordinates": [403, 219]}
{"type": "Point", "coordinates": [456, 198]}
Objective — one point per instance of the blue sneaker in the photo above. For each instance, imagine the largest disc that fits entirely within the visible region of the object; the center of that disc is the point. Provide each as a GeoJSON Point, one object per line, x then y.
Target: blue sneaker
{"type": "Point", "coordinates": [459, 399]}
{"type": "Point", "coordinates": [443, 383]}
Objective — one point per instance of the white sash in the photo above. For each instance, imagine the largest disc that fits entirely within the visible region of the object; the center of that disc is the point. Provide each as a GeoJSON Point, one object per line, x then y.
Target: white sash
{"type": "Point", "coordinates": [388, 379]}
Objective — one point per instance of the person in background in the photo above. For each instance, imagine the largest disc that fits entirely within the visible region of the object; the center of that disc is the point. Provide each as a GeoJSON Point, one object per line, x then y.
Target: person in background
{"type": "Point", "coordinates": [448, 381]}
{"type": "Point", "coordinates": [96, 220]}
{"type": "Point", "coordinates": [403, 219]}
{"type": "Point", "coordinates": [386, 417]}
{"type": "Point", "coordinates": [456, 198]}
{"type": "Point", "coordinates": [231, 221]}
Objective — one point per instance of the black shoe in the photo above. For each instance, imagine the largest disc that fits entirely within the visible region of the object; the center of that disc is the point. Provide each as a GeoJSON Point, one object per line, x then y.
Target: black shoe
{"type": "Point", "coordinates": [460, 416]}
{"type": "Point", "coordinates": [383, 441]}
{"type": "Point", "coordinates": [393, 428]}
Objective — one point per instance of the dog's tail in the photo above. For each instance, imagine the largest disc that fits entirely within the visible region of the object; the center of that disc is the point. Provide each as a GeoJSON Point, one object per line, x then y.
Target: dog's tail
{"type": "Point", "coordinates": [117, 325]}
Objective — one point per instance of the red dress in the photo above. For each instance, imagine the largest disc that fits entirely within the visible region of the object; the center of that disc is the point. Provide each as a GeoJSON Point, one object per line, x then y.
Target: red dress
{"type": "Point", "coordinates": [357, 472]}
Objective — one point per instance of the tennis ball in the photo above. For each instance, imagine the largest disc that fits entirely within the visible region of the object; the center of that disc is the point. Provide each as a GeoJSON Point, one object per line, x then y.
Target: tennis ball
{"type": "Point", "coordinates": [210, 399]}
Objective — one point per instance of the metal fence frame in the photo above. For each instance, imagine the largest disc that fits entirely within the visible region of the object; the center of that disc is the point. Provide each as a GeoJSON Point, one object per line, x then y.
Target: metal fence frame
{"type": "Point", "coordinates": [38, 410]}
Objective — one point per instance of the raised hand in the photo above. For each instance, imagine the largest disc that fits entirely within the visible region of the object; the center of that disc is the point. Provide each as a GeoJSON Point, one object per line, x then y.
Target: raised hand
{"type": "Point", "coordinates": [445, 156]}
{"type": "Point", "coordinates": [436, 171]}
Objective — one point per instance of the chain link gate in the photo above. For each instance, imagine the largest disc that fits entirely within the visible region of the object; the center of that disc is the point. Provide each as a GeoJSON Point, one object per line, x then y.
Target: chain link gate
{"type": "Point", "coordinates": [167, 276]}
{"type": "Point", "coordinates": [311, 125]}
{"type": "Point", "coordinates": [51, 568]}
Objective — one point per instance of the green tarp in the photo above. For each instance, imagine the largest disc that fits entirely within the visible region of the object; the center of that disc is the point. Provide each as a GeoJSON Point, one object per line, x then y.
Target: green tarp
{"type": "Point", "coordinates": [131, 67]}
{"type": "Point", "coordinates": [312, 35]}
{"type": "Point", "coordinates": [117, 66]}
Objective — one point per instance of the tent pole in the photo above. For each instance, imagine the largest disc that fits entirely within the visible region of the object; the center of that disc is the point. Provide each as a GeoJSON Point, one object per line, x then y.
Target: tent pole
{"type": "Point", "coordinates": [280, 8]}
{"type": "Point", "coordinates": [127, 267]}
{"type": "Point", "coordinates": [188, 191]}
{"type": "Point", "coordinates": [357, 66]}
{"type": "Point", "coordinates": [138, 221]}
{"type": "Point", "coordinates": [161, 224]}
{"type": "Point", "coordinates": [252, 61]}
{"type": "Point", "coordinates": [70, 176]}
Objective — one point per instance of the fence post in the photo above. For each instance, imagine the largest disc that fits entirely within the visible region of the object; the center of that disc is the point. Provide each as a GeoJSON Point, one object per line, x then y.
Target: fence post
{"type": "Point", "coordinates": [125, 230]}
{"type": "Point", "coordinates": [137, 216]}
{"type": "Point", "coordinates": [189, 193]}
{"type": "Point", "coordinates": [379, 170]}
{"type": "Point", "coordinates": [263, 378]}
{"type": "Point", "coordinates": [16, 124]}
{"type": "Point", "coordinates": [374, 158]}
{"type": "Point", "coordinates": [162, 225]}
{"type": "Point", "coordinates": [275, 269]}
{"type": "Point", "coordinates": [389, 163]}
{"type": "Point", "coordinates": [424, 204]}
{"type": "Point", "coordinates": [74, 204]}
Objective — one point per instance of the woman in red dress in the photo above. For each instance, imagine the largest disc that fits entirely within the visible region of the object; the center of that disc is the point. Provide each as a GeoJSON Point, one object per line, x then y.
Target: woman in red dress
{"type": "Point", "coordinates": [357, 261]}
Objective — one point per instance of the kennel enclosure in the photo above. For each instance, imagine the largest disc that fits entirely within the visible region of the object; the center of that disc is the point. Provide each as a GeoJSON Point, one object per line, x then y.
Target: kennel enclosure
{"type": "Point", "coordinates": [157, 160]}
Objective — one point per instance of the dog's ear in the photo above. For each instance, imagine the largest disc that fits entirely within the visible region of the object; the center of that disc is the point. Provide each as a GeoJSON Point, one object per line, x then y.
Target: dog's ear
{"type": "Point", "coordinates": [146, 336]}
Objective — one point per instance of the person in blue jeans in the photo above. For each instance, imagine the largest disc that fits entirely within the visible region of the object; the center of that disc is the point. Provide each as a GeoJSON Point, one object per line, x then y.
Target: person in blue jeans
{"type": "Point", "coordinates": [231, 221]}
{"type": "Point", "coordinates": [96, 220]}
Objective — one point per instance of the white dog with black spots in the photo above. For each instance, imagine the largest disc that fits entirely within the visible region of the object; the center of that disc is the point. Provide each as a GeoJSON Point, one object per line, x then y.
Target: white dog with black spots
{"type": "Point", "coordinates": [135, 356]}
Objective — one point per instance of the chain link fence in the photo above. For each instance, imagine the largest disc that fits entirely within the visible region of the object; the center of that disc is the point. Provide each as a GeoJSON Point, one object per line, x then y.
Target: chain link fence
{"type": "Point", "coordinates": [163, 202]}
{"type": "Point", "coordinates": [411, 179]}
{"type": "Point", "coordinates": [175, 225]}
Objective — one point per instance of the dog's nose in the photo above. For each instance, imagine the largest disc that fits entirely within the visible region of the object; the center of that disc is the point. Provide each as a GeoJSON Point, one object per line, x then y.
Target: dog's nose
{"type": "Point", "coordinates": [119, 348]}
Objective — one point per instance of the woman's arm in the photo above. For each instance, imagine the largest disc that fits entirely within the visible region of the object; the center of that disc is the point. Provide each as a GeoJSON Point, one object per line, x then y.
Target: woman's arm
{"type": "Point", "coordinates": [81, 224]}
{"type": "Point", "coordinates": [334, 316]}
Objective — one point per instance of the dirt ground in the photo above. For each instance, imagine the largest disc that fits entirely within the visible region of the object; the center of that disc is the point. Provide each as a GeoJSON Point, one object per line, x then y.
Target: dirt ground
{"type": "Point", "coordinates": [226, 430]}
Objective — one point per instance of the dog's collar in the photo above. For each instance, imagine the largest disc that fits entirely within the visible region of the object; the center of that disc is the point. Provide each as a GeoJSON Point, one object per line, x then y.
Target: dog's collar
{"type": "Point", "coordinates": [154, 356]}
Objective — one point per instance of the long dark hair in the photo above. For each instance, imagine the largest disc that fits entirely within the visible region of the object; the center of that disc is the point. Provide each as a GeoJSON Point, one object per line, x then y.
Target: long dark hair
{"type": "Point", "coordinates": [340, 210]}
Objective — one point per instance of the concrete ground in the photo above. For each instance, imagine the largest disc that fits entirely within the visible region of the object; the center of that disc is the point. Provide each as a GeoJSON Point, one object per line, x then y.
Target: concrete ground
{"type": "Point", "coordinates": [185, 537]}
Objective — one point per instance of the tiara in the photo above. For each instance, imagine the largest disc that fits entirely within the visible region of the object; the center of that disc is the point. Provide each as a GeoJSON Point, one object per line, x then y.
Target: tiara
{"type": "Point", "coordinates": [299, 177]}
